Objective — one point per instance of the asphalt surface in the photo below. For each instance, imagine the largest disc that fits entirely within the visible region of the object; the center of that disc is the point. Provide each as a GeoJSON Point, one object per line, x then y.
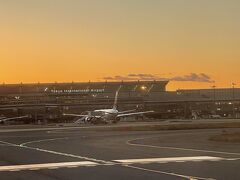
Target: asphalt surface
{"type": "Point", "coordinates": [62, 154]}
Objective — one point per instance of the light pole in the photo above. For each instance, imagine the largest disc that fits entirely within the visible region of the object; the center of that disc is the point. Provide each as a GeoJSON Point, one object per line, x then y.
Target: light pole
{"type": "Point", "coordinates": [214, 97]}
{"type": "Point", "coordinates": [214, 93]}
{"type": "Point", "coordinates": [233, 99]}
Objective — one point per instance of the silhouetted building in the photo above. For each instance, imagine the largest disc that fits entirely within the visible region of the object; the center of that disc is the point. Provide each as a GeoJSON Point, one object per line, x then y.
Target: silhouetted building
{"type": "Point", "coordinates": [50, 100]}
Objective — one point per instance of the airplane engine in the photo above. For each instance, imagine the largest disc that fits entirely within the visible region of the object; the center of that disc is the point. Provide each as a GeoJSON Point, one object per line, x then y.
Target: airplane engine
{"type": "Point", "coordinates": [96, 120]}
{"type": "Point", "coordinates": [88, 119]}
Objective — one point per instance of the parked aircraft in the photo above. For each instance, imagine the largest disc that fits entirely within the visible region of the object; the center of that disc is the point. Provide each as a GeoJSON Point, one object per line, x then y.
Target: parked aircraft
{"type": "Point", "coordinates": [106, 115]}
{"type": "Point", "coordinates": [3, 119]}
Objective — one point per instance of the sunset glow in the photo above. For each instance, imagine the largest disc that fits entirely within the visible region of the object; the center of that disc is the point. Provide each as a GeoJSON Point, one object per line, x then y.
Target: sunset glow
{"type": "Point", "coordinates": [68, 40]}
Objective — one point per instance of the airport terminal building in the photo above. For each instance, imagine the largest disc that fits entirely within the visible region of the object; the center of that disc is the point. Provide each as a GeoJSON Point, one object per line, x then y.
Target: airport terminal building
{"type": "Point", "coordinates": [74, 93]}
{"type": "Point", "coordinates": [49, 100]}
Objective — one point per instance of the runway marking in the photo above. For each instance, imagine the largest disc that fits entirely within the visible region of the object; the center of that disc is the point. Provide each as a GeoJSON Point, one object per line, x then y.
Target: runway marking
{"type": "Point", "coordinates": [130, 142]}
{"type": "Point", "coordinates": [5, 145]}
{"type": "Point", "coordinates": [92, 160]}
{"type": "Point", "coordinates": [169, 173]}
{"type": "Point", "coordinates": [43, 140]}
{"type": "Point", "coordinates": [35, 167]}
{"type": "Point", "coordinates": [8, 143]}
{"type": "Point", "coordinates": [171, 159]}
{"type": "Point", "coordinates": [55, 152]}
{"type": "Point", "coordinates": [66, 154]}
{"type": "Point", "coordinates": [124, 163]}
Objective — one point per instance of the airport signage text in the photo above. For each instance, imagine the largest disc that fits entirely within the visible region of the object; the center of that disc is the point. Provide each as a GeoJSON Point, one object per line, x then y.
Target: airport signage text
{"type": "Point", "coordinates": [57, 91]}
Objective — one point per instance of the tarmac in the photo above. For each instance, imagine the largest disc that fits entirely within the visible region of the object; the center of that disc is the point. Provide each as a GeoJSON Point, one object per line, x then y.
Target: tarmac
{"type": "Point", "coordinates": [68, 153]}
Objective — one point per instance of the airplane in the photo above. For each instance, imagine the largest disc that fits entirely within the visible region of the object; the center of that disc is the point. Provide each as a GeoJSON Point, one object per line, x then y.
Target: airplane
{"type": "Point", "coordinates": [106, 115]}
{"type": "Point", "coordinates": [3, 119]}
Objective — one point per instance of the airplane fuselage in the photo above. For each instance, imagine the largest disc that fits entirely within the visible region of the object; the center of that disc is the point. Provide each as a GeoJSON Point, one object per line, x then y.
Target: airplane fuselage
{"type": "Point", "coordinates": [107, 114]}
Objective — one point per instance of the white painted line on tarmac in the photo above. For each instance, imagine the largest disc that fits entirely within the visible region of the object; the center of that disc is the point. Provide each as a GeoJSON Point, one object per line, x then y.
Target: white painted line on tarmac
{"type": "Point", "coordinates": [4, 145]}
{"type": "Point", "coordinates": [168, 173]}
{"type": "Point", "coordinates": [166, 160]}
{"type": "Point", "coordinates": [56, 152]}
{"type": "Point", "coordinates": [43, 140]}
{"type": "Point", "coordinates": [35, 167]}
{"type": "Point", "coordinates": [67, 155]}
{"type": "Point", "coordinates": [8, 143]}
{"type": "Point", "coordinates": [91, 161]}
{"type": "Point", "coordinates": [130, 143]}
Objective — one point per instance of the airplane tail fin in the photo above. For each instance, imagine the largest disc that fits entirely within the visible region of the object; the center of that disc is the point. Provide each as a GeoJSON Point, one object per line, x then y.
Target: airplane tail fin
{"type": "Point", "coordinates": [116, 98]}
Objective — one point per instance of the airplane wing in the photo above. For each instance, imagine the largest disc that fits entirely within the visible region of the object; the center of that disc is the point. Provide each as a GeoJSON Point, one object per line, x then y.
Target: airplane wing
{"type": "Point", "coordinates": [12, 118]}
{"type": "Point", "coordinates": [135, 113]}
{"type": "Point", "coordinates": [80, 115]}
{"type": "Point", "coordinates": [123, 112]}
{"type": "Point", "coordinates": [75, 115]}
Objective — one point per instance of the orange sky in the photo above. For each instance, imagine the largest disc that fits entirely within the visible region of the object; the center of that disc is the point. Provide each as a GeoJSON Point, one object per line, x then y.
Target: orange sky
{"type": "Point", "coordinates": [68, 40]}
